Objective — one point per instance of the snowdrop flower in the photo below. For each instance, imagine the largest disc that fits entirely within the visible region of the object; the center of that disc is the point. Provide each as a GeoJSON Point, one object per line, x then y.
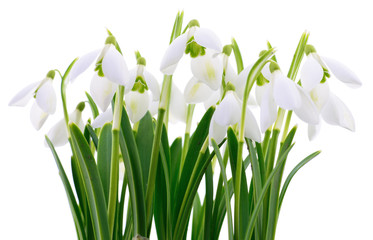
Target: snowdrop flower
{"type": "Point", "coordinates": [45, 99]}
{"type": "Point", "coordinates": [110, 71]}
{"type": "Point", "coordinates": [144, 93]}
{"type": "Point", "coordinates": [316, 69]}
{"type": "Point", "coordinates": [278, 90]}
{"type": "Point", "coordinates": [314, 75]}
{"type": "Point", "coordinates": [193, 41]}
{"type": "Point", "coordinates": [228, 113]}
{"type": "Point", "coordinates": [211, 72]}
{"type": "Point", "coordinates": [58, 134]}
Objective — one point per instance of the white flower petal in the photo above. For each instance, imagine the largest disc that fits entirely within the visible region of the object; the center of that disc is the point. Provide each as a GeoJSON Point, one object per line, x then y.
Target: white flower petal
{"type": "Point", "coordinates": [259, 91]}
{"type": "Point", "coordinates": [335, 112]}
{"type": "Point", "coordinates": [153, 107]}
{"type": "Point", "coordinates": [24, 96]}
{"type": "Point", "coordinates": [240, 81]}
{"type": "Point", "coordinates": [311, 73]}
{"type": "Point", "coordinates": [285, 92]}
{"type": "Point", "coordinates": [137, 105]}
{"type": "Point", "coordinates": [46, 97]}
{"type": "Point", "coordinates": [268, 109]}
{"type": "Point", "coordinates": [320, 94]}
{"type": "Point", "coordinates": [266, 72]}
{"type": "Point", "coordinates": [82, 64]}
{"type": "Point", "coordinates": [37, 116]}
{"type": "Point", "coordinates": [251, 127]}
{"type": "Point", "coordinates": [230, 74]}
{"type": "Point", "coordinates": [173, 54]}
{"type": "Point", "coordinates": [216, 131]}
{"type": "Point", "coordinates": [177, 105]}
{"type": "Point", "coordinates": [103, 118]}
{"type": "Point", "coordinates": [58, 134]}
{"type": "Point", "coordinates": [228, 111]}
{"type": "Point", "coordinates": [213, 99]}
{"type": "Point", "coordinates": [313, 130]}
{"type": "Point", "coordinates": [196, 92]}
{"type": "Point", "coordinates": [307, 111]}
{"type": "Point", "coordinates": [115, 68]}
{"type": "Point", "coordinates": [343, 73]}
{"type": "Point", "coordinates": [102, 91]}
{"type": "Point", "coordinates": [153, 85]}
{"type": "Point", "coordinates": [208, 39]}
{"type": "Point", "coordinates": [208, 69]}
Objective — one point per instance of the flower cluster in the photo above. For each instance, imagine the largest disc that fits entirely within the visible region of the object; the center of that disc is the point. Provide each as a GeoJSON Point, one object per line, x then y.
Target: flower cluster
{"type": "Point", "coordinates": [129, 124]}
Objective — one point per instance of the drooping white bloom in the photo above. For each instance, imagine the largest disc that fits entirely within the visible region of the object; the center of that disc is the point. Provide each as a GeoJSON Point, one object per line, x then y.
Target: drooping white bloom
{"type": "Point", "coordinates": [45, 100]}
{"type": "Point", "coordinates": [202, 36]}
{"type": "Point", "coordinates": [58, 134]}
{"type": "Point", "coordinates": [227, 114]}
{"type": "Point", "coordinates": [144, 94]}
{"type": "Point", "coordinates": [111, 71]}
{"type": "Point", "coordinates": [314, 75]}
{"type": "Point", "coordinates": [279, 91]}
{"type": "Point", "coordinates": [208, 69]}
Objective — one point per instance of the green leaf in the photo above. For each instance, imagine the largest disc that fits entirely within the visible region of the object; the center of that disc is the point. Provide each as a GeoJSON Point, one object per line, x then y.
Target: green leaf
{"type": "Point", "coordinates": [93, 135]}
{"type": "Point", "coordinates": [176, 153]}
{"type": "Point", "coordinates": [92, 183]}
{"type": "Point", "coordinates": [104, 158]}
{"type": "Point", "coordinates": [244, 196]}
{"type": "Point", "coordinates": [253, 216]}
{"type": "Point", "coordinates": [120, 209]}
{"type": "Point", "coordinates": [93, 105]}
{"type": "Point", "coordinates": [75, 210]}
{"type": "Point", "coordinates": [208, 201]}
{"type": "Point", "coordinates": [144, 141]}
{"type": "Point", "coordinates": [292, 173]}
{"type": "Point", "coordinates": [275, 187]}
{"type": "Point", "coordinates": [237, 55]}
{"type": "Point", "coordinates": [190, 176]}
{"type": "Point", "coordinates": [134, 174]}
{"type": "Point", "coordinates": [197, 229]}
{"type": "Point", "coordinates": [226, 192]}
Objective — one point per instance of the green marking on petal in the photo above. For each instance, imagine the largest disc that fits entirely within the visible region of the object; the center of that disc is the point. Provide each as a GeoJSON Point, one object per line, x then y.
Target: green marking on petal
{"type": "Point", "coordinates": [210, 70]}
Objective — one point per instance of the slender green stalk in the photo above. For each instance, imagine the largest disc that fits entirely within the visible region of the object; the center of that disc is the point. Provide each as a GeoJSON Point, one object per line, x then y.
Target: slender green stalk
{"type": "Point", "coordinates": [226, 192]}
{"type": "Point", "coordinates": [188, 125]}
{"type": "Point", "coordinates": [114, 169]}
{"type": "Point", "coordinates": [254, 73]}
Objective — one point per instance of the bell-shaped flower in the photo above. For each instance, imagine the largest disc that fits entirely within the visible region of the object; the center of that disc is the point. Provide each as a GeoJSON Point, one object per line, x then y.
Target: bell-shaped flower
{"type": "Point", "coordinates": [314, 75]}
{"type": "Point", "coordinates": [144, 92]}
{"type": "Point", "coordinates": [316, 70]}
{"type": "Point", "coordinates": [111, 70]}
{"type": "Point", "coordinates": [277, 90]}
{"type": "Point", "coordinates": [58, 134]}
{"type": "Point", "coordinates": [193, 41]}
{"type": "Point", "coordinates": [45, 99]}
{"type": "Point", "coordinates": [330, 108]}
{"type": "Point", "coordinates": [227, 114]}
{"type": "Point", "coordinates": [178, 107]}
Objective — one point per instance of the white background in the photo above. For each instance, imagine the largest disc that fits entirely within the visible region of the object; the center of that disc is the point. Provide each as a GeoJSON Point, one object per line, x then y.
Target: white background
{"type": "Point", "coordinates": [331, 198]}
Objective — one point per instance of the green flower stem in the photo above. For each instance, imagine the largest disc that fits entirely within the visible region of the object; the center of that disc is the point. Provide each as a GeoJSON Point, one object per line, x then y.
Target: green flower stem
{"type": "Point", "coordinates": [163, 106]}
{"type": "Point", "coordinates": [226, 192]}
{"type": "Point", "coordinates": [188, 126]}
{"type": "Point", "coordinates": [287, 124]}
{"type": "Point", "coordinates": [114, 169]}
{"type": "Point", "coordinates": [254, 73]}
{"type": "Point", "coordinates": [63, 95]}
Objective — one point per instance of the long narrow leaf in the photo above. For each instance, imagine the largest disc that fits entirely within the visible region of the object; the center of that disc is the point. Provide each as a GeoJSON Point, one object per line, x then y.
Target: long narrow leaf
{"type": "Point", "coordinates": [92, 183]}
{"type": "Point", "coordinates": [104, 158]}
{"type": "Point", "coordinates": [292, 173]}
{"type": "Point", "coordinates": [77, 214]}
